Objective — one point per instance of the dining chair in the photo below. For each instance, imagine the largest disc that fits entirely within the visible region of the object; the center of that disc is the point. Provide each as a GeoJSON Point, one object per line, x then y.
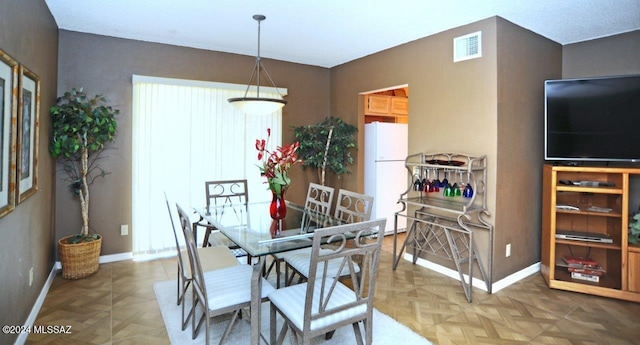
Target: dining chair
{"type": "Point", "coordinates": [221, 291]}
{"type": "Point", "coordinates": [222, 193]}
{"type": "Point", "coordinates": [323, 303]}
{"type": "Point", "coordinates": [351, 207]}
{"type": "Point", "coordinates": [214, 257]}
{"type": "Point", "coordinates": [317, 202]}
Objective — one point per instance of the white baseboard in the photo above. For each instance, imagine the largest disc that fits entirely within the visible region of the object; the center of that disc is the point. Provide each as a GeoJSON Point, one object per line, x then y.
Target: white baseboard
{"type": "Point", "coordinates": [115, 257]}
{"type": "Point", "coordinates": [477, 283]}
{"type": "Point", "coordinates": [106, 259]}
{"type": "Point", "coordinates": [515, 277]}
{"type": "Point", "coordinates": [22, 338]}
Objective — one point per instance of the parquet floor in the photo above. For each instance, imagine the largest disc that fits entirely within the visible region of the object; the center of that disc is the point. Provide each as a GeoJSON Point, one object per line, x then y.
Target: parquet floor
{"type": "Point", "coordinates": [118, 306]}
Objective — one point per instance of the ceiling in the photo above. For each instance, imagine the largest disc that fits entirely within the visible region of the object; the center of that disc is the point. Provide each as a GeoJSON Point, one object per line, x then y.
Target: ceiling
{"type": "Point", "coordinates": [327, 33]}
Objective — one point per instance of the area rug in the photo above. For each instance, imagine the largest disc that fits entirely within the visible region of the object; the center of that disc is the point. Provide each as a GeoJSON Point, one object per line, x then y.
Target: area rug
{"type": "Point", "coordinates": [385, 329]}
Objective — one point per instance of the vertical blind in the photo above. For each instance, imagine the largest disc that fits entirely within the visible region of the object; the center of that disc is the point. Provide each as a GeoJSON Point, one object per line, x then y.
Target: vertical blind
{"type": "Point", "coordinates": [186, 133]}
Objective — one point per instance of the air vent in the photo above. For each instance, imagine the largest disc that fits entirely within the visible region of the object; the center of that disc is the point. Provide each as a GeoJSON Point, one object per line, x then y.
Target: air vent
{"type": "Point", "coordinates": [467, 47]}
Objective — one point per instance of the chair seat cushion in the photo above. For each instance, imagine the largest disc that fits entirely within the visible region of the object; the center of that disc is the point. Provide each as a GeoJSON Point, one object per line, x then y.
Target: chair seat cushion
{"type": "Point", "coordinates": [231, 286]}
{"type": "Point", "coordinates": [217, 238]}
{"type": "Point", "coordinates": [301, 259]}
{"type": "Point", "coordinates": [292, 253]}
{"type": "Point", "coordinates": [211, 258]}
{"type": "Point", "coordinates": [291, 302]}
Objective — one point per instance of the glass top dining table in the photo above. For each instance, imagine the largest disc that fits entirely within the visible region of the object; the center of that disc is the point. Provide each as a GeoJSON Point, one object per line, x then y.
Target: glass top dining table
{"type": "Point", "coordinates": [249, 225]}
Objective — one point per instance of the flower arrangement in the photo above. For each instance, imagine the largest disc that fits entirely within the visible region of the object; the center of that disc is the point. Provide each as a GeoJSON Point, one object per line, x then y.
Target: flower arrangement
{"type": "Point", "coordinates": [276, 164]}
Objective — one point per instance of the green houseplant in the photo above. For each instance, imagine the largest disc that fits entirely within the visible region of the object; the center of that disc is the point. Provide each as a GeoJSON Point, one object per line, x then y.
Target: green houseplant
{"type": "Point", "coordinates": [634, 229]}
{"type": "Point", "coordinates": [82, 126]}
{"type": "Point", "coordinates": [326, 146]}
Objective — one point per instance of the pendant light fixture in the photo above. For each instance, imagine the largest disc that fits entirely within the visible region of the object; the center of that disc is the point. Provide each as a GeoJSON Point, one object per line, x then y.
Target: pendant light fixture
{"type": "Point", "coordinates": [258, 105]}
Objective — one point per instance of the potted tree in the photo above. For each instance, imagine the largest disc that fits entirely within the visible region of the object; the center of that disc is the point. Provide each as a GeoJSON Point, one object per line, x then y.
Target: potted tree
{"type": "Point", "coordinates": [81, 128]}
{"type": "Point", "coordinates": [634, 228]}
{"type": "Point", "coordinates": [326, 146]}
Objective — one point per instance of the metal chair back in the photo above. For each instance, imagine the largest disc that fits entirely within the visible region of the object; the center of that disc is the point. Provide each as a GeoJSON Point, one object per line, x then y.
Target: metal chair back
{"type": "Point", "coordinates": [352, 207]}
{"type": "Point", "coordinates": [328, 303]}
{"type": "Point", "coordinates": [225, 192]}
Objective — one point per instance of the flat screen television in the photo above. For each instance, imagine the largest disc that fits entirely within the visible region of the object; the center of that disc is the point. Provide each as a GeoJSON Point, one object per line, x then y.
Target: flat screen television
{"type": "Point", "coordinates": [592, 119]}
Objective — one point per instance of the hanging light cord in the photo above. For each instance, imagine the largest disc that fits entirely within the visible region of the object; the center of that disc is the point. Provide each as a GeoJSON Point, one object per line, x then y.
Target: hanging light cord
{"type": "Point", "coordinates": [255, 73]}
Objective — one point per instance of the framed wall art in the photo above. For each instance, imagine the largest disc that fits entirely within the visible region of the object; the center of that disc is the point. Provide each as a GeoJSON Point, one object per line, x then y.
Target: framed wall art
{"type": "Point", "coordinates": [8, 134]}
{"type": "Point", "coordinates": [28, 124]}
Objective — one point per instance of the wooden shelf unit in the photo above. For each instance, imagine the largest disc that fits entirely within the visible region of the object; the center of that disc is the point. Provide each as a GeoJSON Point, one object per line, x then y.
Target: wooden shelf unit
{"type": "Point", "coordinates": [620, 260]}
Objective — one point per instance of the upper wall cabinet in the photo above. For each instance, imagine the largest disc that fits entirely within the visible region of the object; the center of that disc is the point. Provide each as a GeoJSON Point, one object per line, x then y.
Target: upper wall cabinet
{"type": "Point", "coordinates": [383, 105]}
{"type": "Point", "coordinates": [377, 105]}
{"type": "Point", "coordinates": [399, 106]}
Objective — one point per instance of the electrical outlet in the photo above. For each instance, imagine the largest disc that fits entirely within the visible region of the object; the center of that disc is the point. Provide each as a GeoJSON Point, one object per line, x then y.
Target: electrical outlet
{"type": "Point", "coordinates": [31, 276]}
{"type": "Point", "coordinates": [508, 250]}
{"type": "Point", "coordinates": [124, 230]}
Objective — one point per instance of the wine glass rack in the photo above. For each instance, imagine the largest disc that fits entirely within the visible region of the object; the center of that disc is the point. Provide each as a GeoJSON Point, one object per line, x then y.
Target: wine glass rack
{"type": "Point", "coordinates": [442, 220]}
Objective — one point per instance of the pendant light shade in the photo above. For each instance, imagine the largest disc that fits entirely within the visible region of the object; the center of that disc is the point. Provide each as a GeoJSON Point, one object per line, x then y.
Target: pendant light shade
{"type": "Point", "coordinates": [258, 105]}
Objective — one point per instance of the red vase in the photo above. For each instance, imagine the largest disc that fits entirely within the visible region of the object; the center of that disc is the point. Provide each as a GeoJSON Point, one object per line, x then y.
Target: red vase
{"type": "Point", "coordinates": [278, 208]}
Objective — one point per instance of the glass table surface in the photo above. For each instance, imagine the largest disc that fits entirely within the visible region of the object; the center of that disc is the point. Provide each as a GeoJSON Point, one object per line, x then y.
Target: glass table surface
{"type": "Point", "coordinates": [249, 224]}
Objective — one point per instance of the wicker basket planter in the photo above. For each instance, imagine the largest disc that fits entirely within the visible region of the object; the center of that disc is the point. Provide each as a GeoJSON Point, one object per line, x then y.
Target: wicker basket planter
{"type": "Point", "coordinates": [79, 260]}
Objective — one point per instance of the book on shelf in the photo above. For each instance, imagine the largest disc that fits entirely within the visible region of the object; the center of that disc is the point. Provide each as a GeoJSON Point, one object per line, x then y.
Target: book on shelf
{"type": "Point", "coordinates": [594, 271]}
{"type": "Point", "coordinates": [587, 277]}
{"type": "Point", "coordinates": [579, 262]}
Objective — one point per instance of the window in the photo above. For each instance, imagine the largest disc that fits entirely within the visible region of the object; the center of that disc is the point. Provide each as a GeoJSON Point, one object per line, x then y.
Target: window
{"type": "Point", "coordinates": [185, 133]}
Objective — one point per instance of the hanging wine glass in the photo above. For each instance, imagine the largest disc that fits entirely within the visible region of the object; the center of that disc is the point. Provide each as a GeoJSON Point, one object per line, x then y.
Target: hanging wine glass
{"type": "Point", "coordinates": [448, 191]}
{"type": "Point", "coordinates": [457, 187]}
{"type": "Point", "coordinates": [468, 190]}
{"type": "Point", "coordinates": [445, 181]}
{"type": "Point", "coordinates": [417, 185]}
{"type": "Point", "coordinates": [436, 182]}
{"type": "Point", "coordinates": [428, 185]}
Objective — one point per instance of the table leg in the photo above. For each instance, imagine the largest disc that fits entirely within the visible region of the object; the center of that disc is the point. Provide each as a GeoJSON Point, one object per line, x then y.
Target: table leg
{"type": "Point", "coordinates": [256, 299]}
{"type": "Point", "coordinates": [395, 237]}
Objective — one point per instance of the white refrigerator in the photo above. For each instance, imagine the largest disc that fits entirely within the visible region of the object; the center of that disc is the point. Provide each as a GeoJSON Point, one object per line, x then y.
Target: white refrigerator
{"type": "Point", "coordinates": [385, 175]}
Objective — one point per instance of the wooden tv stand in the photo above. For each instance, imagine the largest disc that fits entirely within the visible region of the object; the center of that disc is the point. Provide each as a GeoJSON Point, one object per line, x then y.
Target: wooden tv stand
{"type": "Point", "coordinates": [602, 209]}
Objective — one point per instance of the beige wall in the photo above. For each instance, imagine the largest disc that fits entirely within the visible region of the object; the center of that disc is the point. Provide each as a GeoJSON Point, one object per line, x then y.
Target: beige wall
{"type": "Point", "coordinates": [525, 60]}
{"type": "Point", "coordinates": [489, 106]}
{"type": "Point", "coordinates": [452, 106]}
{"type": "Point", "coordinates": [608, 56]}
{"type": "Point", "coordinates": [104, 65]}
{"type": "Point", "coordinates": [29, 34]}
